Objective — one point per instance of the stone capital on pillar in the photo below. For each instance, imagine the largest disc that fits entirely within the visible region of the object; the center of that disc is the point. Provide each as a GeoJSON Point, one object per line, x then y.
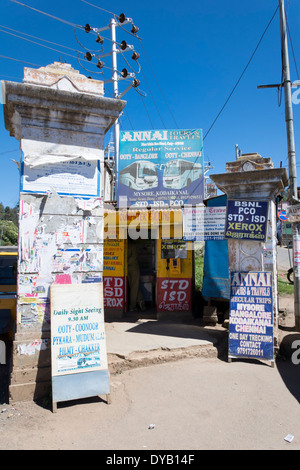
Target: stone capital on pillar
{"type": "Point", "coordinates": [55, 107]}
{"type": "Point", "coordinates": [255, 183]}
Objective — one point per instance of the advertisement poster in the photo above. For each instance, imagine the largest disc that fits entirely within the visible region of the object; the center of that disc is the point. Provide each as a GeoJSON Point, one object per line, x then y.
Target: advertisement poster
{"type": "Point", "coordinates": [73, 177]}
{"type": "Point", "coordinates": [292, 214]}
{"type": "Point", "coordinates": [174, 295]}
{"type": "Point", "coordinates": [77, 329]}
{"type": "Point", "coordinates": [251, 316]}
{"type": "Point", "coordinates": [296, 245]}
{"type": "Point", "coordinates": [114, 274]}
{"type": "Point", "coordinates": [160, 168]}
{"type": "Point", "coordinates": [246, 220]}
{"type": "Point", "coordinates": [203, 223]}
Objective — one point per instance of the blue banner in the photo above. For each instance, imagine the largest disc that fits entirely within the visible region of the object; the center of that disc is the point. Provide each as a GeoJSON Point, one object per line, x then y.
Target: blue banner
{"type": "Point", "coordinates": [251, 327]}
{"type": "Point", "coordinates": [160, 168]}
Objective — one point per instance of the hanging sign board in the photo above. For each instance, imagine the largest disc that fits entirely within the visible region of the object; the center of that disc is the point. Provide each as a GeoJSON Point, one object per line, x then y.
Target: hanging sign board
{"type": "Point", "coordinates": [251, 316]}
{"type": "Point", "coordinates": [292, 214]}
{"type": "Point", "coordinates": [246, 220]}
{"type": "Point", "coordinates": [78, 345]}
{"type": "Point", "coordinates": [160, 168]}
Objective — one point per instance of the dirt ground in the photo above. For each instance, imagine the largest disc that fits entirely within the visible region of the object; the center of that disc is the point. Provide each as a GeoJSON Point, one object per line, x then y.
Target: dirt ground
{"type": "Point", "coordinates": [193, 403]}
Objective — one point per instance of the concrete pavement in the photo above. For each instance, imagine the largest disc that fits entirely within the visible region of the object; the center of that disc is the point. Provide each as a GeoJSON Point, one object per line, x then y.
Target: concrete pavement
{"type": "Point", "coordinates": [139, 342]}
{"type": "Point", "coordinates": [136, 342]}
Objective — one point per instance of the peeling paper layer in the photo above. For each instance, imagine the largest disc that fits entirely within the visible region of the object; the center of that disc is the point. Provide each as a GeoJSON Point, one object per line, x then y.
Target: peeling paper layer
{"type": "Point", "coordinates": [34, 161]}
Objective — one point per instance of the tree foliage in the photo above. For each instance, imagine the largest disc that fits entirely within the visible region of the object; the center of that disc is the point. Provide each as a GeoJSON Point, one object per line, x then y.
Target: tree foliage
{"type": "Point", "coordinates": [8, 225]}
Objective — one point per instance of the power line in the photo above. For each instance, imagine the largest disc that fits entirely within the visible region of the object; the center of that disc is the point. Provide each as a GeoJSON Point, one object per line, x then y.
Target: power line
{"type": "Point", "coordinates": [18, 60]}
{"type": "Point", "coordinates": [146, 109]}
{"type": "Point", "coordinates": [10, 151]}
{"type": "Point", "coordinates": [40, 39]}
{"type": "Point", "coordinates": [42, 45]}
{"type": "Point", "coordinates": [292, 47]}
{"type": "Point", "coordinates": [48, 14]}
{"type": "Point", "coordinates": [154, 102]}
{"type": "Point", "coordinates": [99, 8]}
{"type": "Point", "coordinates": [48, 47]}
{"type": "Point", "coordinates": [134, 35]}
{"type": "Point", "coordinates": [261, 38]}
{"type": "Point", "coordinates": [242, 74]}
{"type": "Point", "coordinates": [12, 32]}
{"type": "Point", "coordinates": [159, 85]}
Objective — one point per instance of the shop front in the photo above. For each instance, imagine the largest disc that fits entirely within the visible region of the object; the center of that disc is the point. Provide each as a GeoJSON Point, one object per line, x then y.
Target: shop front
{"type": "Point", "coordinates": [148, 268]}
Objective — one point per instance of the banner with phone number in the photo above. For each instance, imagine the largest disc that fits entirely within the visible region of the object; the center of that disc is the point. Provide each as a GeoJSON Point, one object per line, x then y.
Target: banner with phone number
{"type": "Point", "coordinates": [160, 168]}
{"type": "Point", "coordinates": [251, 315]}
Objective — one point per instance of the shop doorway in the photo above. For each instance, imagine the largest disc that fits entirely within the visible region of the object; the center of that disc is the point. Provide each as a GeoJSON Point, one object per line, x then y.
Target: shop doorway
{"type": "Point", "coordinates": [145, 252]}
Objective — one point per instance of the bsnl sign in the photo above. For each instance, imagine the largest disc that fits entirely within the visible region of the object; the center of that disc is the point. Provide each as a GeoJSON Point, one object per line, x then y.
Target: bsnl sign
{"type": "Point", "coordinates": [246, 220]}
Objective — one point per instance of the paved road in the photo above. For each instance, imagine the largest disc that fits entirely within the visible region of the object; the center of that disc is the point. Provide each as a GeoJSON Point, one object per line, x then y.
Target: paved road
{"type": "Point", "coordinates": [284, 258]}
{"type": "Point", "coordinates": [193, 404]}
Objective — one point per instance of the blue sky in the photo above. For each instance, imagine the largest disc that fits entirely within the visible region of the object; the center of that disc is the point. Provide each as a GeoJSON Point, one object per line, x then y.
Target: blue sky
{"type": "Point", "coordinates": [195, 53]}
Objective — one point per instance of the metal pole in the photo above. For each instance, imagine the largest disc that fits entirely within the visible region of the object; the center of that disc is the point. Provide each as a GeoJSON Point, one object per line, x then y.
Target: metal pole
{"type": "Point", "coordinates": [293, 194]}
{"type": "Point", "coordinates": [115, 92]}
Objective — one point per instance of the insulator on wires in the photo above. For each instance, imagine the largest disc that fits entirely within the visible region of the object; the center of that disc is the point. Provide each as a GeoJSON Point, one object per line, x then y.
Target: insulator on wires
{"type": "Point", "coordinates": [135, 55]}
{"type": "Point", "coordinates": [123, 45]}
{"type": "Point", "coordinates": [124, 73]}
{"type": "Point", "coordinates": [134, 29]}
{"type": "Point", "coordinates": [100, 39]}
{"type": "Point", "coordinates": [100, 64]}
{"type": "Point", "coordinates": [136, 83]}
{"type": "Point", "coordinates": [87, 28]}
{"type": "Point", "coordinates": [88, 56]}
{"type": "Point", "coordinates": [122, 18]}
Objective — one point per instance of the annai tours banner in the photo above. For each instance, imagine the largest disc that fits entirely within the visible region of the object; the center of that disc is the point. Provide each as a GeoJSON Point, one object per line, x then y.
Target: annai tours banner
{"type": "Point", "coordinates": [251, 326]}
{"type": "Point", "coordinates": [160, 168]}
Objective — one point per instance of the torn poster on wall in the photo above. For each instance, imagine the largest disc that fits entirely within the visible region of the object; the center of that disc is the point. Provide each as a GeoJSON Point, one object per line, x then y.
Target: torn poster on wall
{"type": "Point", "coordinates": [56, 249]}
{"type": "Point", "coordinates": [71, 177]}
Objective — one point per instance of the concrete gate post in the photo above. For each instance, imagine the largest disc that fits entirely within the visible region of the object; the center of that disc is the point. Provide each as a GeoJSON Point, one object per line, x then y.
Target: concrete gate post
{"type": "Point", "coordinates": [252, 177]}
{"type": "Point", "coordinates": [60, 118]}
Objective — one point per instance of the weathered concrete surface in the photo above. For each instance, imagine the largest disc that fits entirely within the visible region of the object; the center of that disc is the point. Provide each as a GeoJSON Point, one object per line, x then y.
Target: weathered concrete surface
{"type": "Point", "coordinates": [196, 403]}
{"type": "Point", "coordinates": [59, 116]}
{"type": "Point", "coordinates": [145, 342]}
{"type": "Point", "coordinates": [130, 344]}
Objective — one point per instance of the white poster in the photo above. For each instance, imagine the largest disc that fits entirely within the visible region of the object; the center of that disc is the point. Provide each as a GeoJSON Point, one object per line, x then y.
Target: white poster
{"type": "Point", "coordinates": [203, 223]}
{"type": "Point", "coordinates": [78, 341]}
{"type": "Point", "coordinates": [74, 177]}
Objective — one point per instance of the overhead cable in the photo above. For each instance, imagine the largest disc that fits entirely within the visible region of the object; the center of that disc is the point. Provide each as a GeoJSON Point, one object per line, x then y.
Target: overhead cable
{"type": "Point", "coordinates": [154, 102]}
{"type": "Point", "coordinates": [292, 47]}
{"type": "Point", "coordinates": [42, 45]}
{"type": "Point", "coordinates": [18, 60]}
{"type": "Point", "coordinates": [47, 14]}
{"type": "Point", "coordinates": [242, 74]}
{"type": "Point", "coordinates": [40, 39]}
{"type": "Point", "coordinates": [159, 86]}
{"type": "Point", "coordinates": [99, 8]}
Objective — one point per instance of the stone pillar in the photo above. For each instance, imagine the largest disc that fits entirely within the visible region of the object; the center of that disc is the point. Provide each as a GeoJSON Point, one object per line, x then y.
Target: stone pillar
{"type": "Point", "coordinates": [60, 118]}
{"type": "Point", "coordinates": [252, 177]}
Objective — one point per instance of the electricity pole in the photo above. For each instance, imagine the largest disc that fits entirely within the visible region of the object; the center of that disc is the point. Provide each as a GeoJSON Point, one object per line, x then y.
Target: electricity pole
{"type": "Point", "coordinates": [116, 76]}
{"type": "Point", "coordinates": [293, 193]}
{"type": "Point", "coordinates": [114, 52]}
